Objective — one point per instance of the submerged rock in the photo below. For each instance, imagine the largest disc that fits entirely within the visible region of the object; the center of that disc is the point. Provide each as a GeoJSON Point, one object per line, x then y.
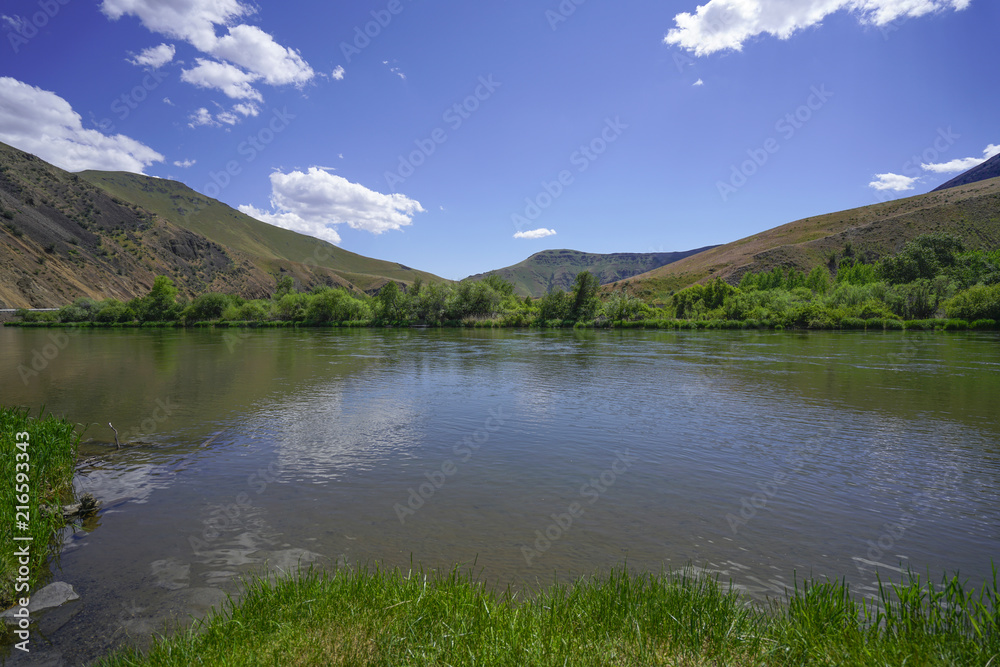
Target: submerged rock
{"type": "Point", "coordinates": [53, 595]}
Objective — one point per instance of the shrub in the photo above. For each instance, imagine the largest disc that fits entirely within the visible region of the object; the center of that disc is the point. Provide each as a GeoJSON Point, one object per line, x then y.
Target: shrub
{"type": "Point", "coordinates": [975, 303]}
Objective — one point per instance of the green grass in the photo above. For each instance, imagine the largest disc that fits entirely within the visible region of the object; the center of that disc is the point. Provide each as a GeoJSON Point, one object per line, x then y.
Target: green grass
{"type": "Point", "coordinates": [372, 617]}
{"type": "Point", "coordinates": [51, 455]}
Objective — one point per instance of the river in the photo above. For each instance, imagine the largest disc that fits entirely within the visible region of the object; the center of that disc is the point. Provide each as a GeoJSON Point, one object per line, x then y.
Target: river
{"type": "Point", "coordinates": [527, 455]}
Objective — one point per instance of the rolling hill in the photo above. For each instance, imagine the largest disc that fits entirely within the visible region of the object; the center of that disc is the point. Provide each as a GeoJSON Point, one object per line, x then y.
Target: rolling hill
{"type": "Point", "coordinates": [971, 212]}
{"type": "Point", "coordinates": [271, 248]}
{"type": "Point", "coordinates": [556, 269]}
{"type": "Point", "coordinates": [62, 237]}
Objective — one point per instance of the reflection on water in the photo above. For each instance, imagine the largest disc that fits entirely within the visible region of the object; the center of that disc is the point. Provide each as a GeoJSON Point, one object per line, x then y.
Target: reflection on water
{"type": "Point", "coordinates": [753, 455]}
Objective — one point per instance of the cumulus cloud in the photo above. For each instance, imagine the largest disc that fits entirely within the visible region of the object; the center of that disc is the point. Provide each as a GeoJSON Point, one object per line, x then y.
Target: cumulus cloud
{"type": "Point", "coordinates": [201, 117]}
{"type": "Point", "coordinates": [314, 202]}
{"type": "Point", "coordinates": [184, 164]}
{"type": "Point", "coordinates": [231, 80]}
{"type": "Point", "coordinates": [535, 234]}
{"type": "Point", "coordinates": [40, 122]}
{"type": "Point", "coordinates": [962, 164]}
{"type": "Point", "coordinates": [245, 49]}
{"type": "Point", "coordinates": [248, 109]}
{"type": "Point", "coordinates": [155, 56]}
{"type": "Point", "coordinates": [894, 182]}
{"type": "Point", "coordinates": [338, 73]}
{"type": "Point", "coordinates": [699, 82]}
{"type": "Point", "coordinates": [721, 25]}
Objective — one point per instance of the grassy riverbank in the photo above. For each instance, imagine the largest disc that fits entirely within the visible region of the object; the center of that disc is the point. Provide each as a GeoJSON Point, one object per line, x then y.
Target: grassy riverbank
{"type": "Point", "coordinates": [37, 469]}
{"type": "Point", "coordinates": [371, 617]}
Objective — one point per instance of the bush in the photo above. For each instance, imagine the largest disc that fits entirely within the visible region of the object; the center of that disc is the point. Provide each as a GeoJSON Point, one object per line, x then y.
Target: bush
{"type": "Point", "coordinates": [985, 325]}
{"type": "Point", "coordinates": [208, 307]}
{"type": "Point", "coordinates": [114, 312]}
{"type": "Point", "coordinates": [981, 302]}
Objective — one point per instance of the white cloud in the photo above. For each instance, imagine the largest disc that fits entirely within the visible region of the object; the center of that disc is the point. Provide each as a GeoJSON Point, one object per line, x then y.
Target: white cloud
{"type": "Point", "coordinates": [184, 164]}
{"type": "Point", "coordinates": [201, 117]}
{"type": "Point", "coordinates": [338, 73]}
{"type": "Point", "coordinates": [231, 80]}
{"type": "Point", "coordinates": [894, 182]}
{"type": "Point", "coordinates": [315, 201]}
{"type": "Point", "coordinates": [295, 223]}
{"type": "Point", "coordinates": [535, 234]}
{"type": "Point", "coordinates": [253, 49]}
{"type": "Point", "coordinates": [155, 56]}
{"type": "Point", "coordinates": [247, 109]}
{"type": "Point", "coordinates": [721, 25]}
{"type": "Point", "coordinates": [962, 164]}
{"type": "Point", "coordinates": [16, 23]}
{"type": "Point", "coordinates": [40, 122]}
{"type": "Point", "coordinates": [247, 50]}
{"type": "Point", "coordinates": [699, 82]}
{"type": "Point", "coordinates": [191, 20]}
{"type": "Point", "coordinates": [166, 100]}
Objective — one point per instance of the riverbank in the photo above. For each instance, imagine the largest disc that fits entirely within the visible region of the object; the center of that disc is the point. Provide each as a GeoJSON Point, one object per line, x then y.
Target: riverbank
{"type": "Point", "coordinates": [36, 474]}
{"type": "Point", "coordinates": [374, 617]}
{"type": "Point", "coordinates": [846, 324]}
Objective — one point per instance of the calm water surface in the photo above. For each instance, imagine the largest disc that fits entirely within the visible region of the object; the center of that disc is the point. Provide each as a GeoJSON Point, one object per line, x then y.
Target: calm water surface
{"type": "Point", "coordinates": [534, 455]}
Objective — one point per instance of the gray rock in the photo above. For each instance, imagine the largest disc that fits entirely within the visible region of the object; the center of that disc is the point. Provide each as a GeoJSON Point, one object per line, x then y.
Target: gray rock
{"type": "Point", "coordinates": [53, 595]}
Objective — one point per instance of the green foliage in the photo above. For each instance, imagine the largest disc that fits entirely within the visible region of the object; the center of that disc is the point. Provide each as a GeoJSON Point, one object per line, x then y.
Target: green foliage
{"type": "Point", "coordinates": [285, 286]}
{"type": "Point", "coordinates": [160, 305]}
{"type": "Point", "coordinates": [114, 312]}
{"type": "Point", "coordinates": [554, 306]}
{"type": "Point", "coordinates": [855, 273]}
{"type": "Point", "coordinates": [51, 450]}
{"type": "Point", "coordinates": [976, 303]}
{"type": "Point", "coordinates": [621, 307]}
{"type": "Point", "coordinates": [208, 307]}
{"type": "Point", "coordinates": [81, 310]}
{"type": "Point", "coordinates": [585, 301]}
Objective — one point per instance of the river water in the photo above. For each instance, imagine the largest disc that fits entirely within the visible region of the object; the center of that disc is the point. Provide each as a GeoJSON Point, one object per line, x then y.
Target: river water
{"type": "Point", "coordinates": [527, 455]}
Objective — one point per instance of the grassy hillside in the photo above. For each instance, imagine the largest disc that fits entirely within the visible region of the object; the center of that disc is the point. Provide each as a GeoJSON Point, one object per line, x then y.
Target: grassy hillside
{"type": "Point", "coordinates": [971, 212]}
{"type": "Point", "coordinates": [556, 269]}
{"type": "Point", "coordinates": [61, 238]}
{"type": "Point", "coordinates": [271, 248]}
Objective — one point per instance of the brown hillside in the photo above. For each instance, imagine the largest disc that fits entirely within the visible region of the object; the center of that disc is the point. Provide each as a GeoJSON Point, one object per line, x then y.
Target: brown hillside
{"type": "Point", "coordinates": [971, 212]}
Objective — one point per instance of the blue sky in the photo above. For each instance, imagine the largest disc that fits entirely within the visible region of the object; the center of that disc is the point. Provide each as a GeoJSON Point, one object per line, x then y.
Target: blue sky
{"type": "Point", "coordinates": [459, 137]}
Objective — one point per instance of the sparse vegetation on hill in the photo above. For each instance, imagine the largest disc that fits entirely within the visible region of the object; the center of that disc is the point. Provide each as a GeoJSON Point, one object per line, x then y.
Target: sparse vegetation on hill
{"type": "Point", "coordinates": [970, 212]}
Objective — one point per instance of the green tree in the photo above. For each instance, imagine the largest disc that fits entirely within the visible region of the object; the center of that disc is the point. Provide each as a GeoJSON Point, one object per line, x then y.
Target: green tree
{"type": "Point", "coordinates": [160, 305]}
{"type": "Point", "coordinates": [584, 299]}
{"type": "Point", "coordinates": [285, 285]}
{"type": "Point", "coordinates": [389, 301]}
{"type": "Point", "coordinates": [554, 306]}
